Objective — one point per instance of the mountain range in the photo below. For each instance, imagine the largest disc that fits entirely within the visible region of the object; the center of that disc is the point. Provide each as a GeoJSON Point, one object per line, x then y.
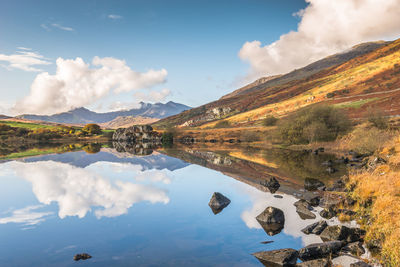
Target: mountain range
{"type": "Point", "coordinates": [84, 115]}
{"type": "Point", "coordinates": [363, 77]}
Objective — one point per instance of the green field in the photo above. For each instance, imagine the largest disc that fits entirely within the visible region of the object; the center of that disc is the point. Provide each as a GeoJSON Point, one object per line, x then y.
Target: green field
{"type": "Point", "coordinates": [30, 126]}
{"type": "Point", "coordinates": [355, 104]}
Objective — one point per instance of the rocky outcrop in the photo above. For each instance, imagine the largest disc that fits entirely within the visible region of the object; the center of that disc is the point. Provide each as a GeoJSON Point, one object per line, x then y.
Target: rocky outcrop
{"type": "Point", "coordinates": [272, 220]}
{"type": "Point", "coordinates": [280, 257]}
{"type": "Point", "coordinates": [354, 248]}
{"type": "Point", "coordinates": [218, 202]}
{"type": "Point", "coordinates": [136, 134]}
{"type": "Point", "coordinates": [140, 149]}
{"type": "Point", "coordinates": [215, 113]}
{"type": "Point", "coordinates": [320, 250]}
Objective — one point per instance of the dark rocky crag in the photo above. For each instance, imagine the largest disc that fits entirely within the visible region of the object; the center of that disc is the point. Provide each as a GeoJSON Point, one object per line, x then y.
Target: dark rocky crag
{"type": "Point", "coordinates": [137, 140]}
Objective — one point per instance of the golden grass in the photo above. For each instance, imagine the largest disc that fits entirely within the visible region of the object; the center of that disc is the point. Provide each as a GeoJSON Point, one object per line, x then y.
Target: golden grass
{"type": "Point", "coordinates": [383, 186]}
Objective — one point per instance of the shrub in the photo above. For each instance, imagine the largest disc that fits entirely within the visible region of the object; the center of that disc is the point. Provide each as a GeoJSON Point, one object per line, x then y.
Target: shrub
{"type": "Point", "coordinates": [377, 119]}
{"type": "Point", "coordinates": [365, 140]}
{"type": "Point", "coordinates": [167, 139]}
{"type": "Point", "coordinates": [91, 128]}
{"type": "Point", "coordinates": [318, 123]}
{"type": "Point", "coordinates": [330, 95]}
{"type": "Point", "coordinates": [270, 121]}
{"type": "Point", "coordinates": [222, 124]}
{"type": "Point", "coordinates": [92, 148]}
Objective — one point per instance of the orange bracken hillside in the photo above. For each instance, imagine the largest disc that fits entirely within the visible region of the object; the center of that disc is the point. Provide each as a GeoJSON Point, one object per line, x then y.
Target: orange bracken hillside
{"type": "Point", "coordinates": [369, 80]}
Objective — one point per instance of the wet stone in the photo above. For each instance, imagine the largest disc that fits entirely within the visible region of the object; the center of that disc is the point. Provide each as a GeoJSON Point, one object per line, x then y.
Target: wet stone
{"type": "Point", "coordinates": [312, 184]}
{"type": "Point", "coordinates": [218, 202]}
{"type": "Point", "coordinates": [280, 257]}
{"type": "Point", "coordinates": [315, 263]}
{"type": "Point", "coordinates": [319, 250]}
{"type": "Point", "coordinates": [272, 220]}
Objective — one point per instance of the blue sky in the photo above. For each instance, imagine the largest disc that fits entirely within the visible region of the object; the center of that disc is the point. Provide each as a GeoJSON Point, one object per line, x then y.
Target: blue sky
{"type": "Point", "coordinates": [112, 54]}
{"type": "Point", "coordinates": [197, 42]}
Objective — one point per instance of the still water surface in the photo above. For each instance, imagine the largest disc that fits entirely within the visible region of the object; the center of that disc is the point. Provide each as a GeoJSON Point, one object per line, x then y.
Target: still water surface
{"type": "Point", "coordinates": [127, 210]}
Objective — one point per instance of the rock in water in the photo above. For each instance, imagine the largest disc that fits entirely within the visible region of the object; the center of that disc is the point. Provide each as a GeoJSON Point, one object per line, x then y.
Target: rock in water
{"type": "Point", "coordinates": [312, 184]}
{"type": "Point", "coordinates": [280, 257]}
{"type": "Point", "coordinates": [315, 228]}
{"type": "Point", "coordinates": [304, 210]}
{"type": "Point", "coordinates": [272, 185]}
{"type": "Point", "coordinates": [354, 248]}
{"type": "Point", "coordinates": [315, 263]}
{"type": "Point", "coordinates": [83, 256]}
{"type": "Point", "coordinates": [360, 264]}
{"type": "Point", "coordinates": [272, 220]}
{"type": "Point", "coordinates": [218, 202]}
{"type": "Point", "coordinates": [319, 250]}
{"type": "Point", "coordinates": [342, 233]}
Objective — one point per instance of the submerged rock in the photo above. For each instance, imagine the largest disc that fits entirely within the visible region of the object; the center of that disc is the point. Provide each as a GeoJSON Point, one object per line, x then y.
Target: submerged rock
{"type": "Point", "coordinates": [312, 184]}
{"type": "Point", "coordinates": [319, 250]}
{"type": "Point", "coordinates": [83, 256]}
{"type": "Point", "coordinates": [304, 210]}
{"type": "Point", "coordinates": [315, 263]}
{"type": "Point", "coordinates": [218, 202]}
{"type": "Point", "coordinates": [272, 220]}
{"type": "Point", "coordinates": [272, 184]}
{"type": "Point", "coordinates": [279, 257]}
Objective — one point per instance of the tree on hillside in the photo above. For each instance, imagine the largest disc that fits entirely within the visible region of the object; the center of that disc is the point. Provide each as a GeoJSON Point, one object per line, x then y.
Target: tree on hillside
{"type": "Point", "coordinates": [91, 129]}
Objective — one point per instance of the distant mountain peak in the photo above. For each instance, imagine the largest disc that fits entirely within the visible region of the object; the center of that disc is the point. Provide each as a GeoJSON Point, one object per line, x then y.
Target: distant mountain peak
{"type": "Point", "coordinates": [83, 115]}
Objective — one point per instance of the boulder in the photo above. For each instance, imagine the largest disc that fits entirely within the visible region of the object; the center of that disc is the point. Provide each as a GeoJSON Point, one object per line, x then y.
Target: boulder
{"type": "Point", "coordinates": [354, 248]}
{"type": "Point", "coordinates": [319, 228]}
{"type": "Point", "coordinates": [308, 229]}
{"type": "Point", "coordinates": [83, 256]}
{"type": "Point", "coordinates": [218, 202]}
{"type": "Point", "coordinates": [304, 210]}
{"type": "Point", "coordinates": [313, 201]}
{"type": "Point", "coordinates": [315, 263]}
{"type": "Point", "coordinates": [360, 264]}
{"type": "Point", "coordinates": [328, 213]}
{"type": "Point", "coordinates": [331, 170]}
{"type": "Point", "coordinates": [272, 220]}
{"type": "Point", "coordinates": [280, 257]}
{"type": "Point", "coordinates": [315, 228]}
{"type": "Point", "coordinates": [342, 233]}
{"type": "Point", "coordinates": [320, 250]}
{"type": "Point", "coordinates": [272, 184]}
{"type": "Point", "coordinates": [312, 184]}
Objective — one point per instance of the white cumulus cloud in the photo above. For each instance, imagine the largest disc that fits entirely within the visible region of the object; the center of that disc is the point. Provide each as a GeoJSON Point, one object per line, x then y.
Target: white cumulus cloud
{"type": "Point", "coordinates": [24, 59]}
{"type": "Point", "coordinates": [77, 84]}
{"type": "Point", "coordinates": [326, 27]}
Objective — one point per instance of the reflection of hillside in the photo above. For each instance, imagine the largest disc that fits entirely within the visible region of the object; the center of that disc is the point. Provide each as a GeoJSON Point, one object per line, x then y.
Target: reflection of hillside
{"type": "Point", "coordinates": [253, 166]}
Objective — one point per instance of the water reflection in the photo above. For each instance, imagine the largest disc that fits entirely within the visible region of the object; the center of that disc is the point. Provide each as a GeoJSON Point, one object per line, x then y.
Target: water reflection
{"type": "Point", "coordinates": [79, 190]}
{"type": "Point", "coordinates": [123, 209]}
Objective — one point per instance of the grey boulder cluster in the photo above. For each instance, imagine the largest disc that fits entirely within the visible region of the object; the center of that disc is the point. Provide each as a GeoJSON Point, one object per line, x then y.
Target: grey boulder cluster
{"type": "Point", "coordinates": [135, 134]}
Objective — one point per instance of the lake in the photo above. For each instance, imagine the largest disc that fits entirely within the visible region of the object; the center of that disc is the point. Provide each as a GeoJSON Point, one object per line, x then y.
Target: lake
{"type": "Point", "coordinates": [150, 210]}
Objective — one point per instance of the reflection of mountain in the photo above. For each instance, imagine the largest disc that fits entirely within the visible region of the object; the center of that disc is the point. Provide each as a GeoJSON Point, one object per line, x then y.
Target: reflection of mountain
{"type": "Point", "coordinates": [80, 190]}
{"type": "Point", "coordinates": [82, 159]}
{"type": "Point", "coordinates": [255, 166]}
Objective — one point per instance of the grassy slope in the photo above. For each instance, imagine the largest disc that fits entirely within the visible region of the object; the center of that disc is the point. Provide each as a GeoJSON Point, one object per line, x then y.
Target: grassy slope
{"type": "Point", "coordinates": [27, 125]}
{"type": "Point", "coordinates": [383, 186]}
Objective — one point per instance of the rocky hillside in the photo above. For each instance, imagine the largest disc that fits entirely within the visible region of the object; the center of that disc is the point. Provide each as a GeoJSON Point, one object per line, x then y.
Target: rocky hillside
{"type": "Point", "coordinates": [83, 115]}
{"type": "Point", "coordinates": [365, 76]}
